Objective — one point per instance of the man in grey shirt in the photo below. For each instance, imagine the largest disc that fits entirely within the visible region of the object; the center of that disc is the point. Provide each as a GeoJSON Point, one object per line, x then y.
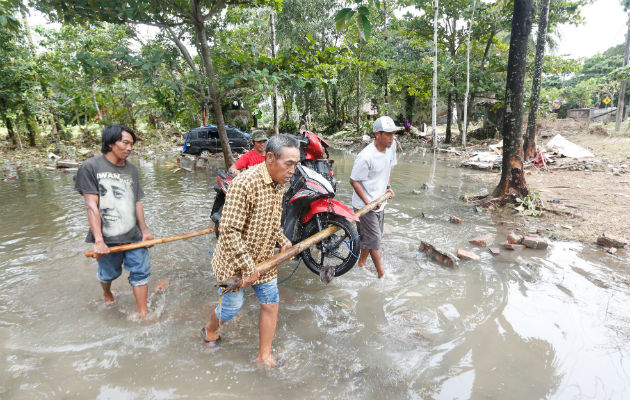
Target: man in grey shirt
{"type": "Point", "coordinates": [111, 190]}
{"type": "Point", "coordinates": [370, 179]}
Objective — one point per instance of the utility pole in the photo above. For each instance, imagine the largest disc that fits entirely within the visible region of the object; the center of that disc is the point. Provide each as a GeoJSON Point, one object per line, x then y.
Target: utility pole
{"type": "Point", "coordinates": [621, 101]}
{"type": "Point", "coordinates": [434, 105]}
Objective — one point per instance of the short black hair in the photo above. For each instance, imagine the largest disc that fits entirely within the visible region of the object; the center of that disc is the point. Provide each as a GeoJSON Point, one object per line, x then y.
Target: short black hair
{"type": "Point", "coordinates": [113, 133]}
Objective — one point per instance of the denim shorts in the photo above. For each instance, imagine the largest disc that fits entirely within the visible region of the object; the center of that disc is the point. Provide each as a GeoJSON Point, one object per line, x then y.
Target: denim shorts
{"type": "Point", "coordinates": [136, 261]}
{"type": "Point", "coordinates": [232, 302]}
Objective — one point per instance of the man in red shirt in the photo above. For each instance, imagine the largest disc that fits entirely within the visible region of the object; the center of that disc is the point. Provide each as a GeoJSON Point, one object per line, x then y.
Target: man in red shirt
{"type": "Point", "coordinates": [254, 156]}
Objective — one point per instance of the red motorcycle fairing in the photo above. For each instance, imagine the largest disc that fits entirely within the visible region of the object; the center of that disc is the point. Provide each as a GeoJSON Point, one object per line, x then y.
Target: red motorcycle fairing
{"type": "Point", "coordinates": [317, 145]}
{"type": "Point", "coordinates": [328, 205]}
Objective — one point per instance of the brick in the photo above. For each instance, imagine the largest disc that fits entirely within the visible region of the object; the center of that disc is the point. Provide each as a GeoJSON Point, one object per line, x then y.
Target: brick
{"type": "Point", "coordinates": [455, 220]}
{"type": "Point", "coordinates": [467, 255]}
{"type": "Point", "coordinates": [513, 246]}
{"type": "Point", "coordinates": [514, 238]}
{"type": "Point", "coordinates": [443, 257]}
{"type": "Point", "coordinates": [482, 240]}
{"type": "Point", "coordinates": [494, 251]}
{"type": "Point", "coordinates": [608, 240]}
{"type": "Point", "coordinates": [535, 242]}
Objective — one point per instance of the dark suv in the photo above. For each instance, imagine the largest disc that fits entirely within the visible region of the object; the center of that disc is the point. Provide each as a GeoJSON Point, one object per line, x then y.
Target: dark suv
{"type": "Point", "coordinates": [205, 139]}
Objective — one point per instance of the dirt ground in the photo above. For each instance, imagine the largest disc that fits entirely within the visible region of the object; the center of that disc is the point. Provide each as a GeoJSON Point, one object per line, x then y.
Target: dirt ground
{"type": "Point", "coordinates": [584, 197]}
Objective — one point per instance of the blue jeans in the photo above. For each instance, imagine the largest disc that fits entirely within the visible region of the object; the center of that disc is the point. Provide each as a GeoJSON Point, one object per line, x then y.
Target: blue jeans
{"type": "Point", "coordinates": [232, 302]}
{"type": "Point", "coordinates": [136, 261]}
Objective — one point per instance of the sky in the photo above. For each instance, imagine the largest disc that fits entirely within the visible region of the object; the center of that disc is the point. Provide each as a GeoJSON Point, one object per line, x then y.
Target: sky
{"type": "Point", "coordinates": [605, 27]}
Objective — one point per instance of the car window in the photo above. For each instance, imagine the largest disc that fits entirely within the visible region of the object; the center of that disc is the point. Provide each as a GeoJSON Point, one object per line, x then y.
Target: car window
{"type": "Point", "coordinates": [214, 134]}
{"type": "Point", "coordinates": [193, 135]}
{"type": "Point", "coordinates": [233, 134]}
{"type": "Point", "coordinates": [203, 134]}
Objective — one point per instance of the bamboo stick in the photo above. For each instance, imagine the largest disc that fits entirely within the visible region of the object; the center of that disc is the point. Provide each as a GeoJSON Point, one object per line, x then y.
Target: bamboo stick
{"type": "Point", "coordinates": [232, 283]}
{"type": "Point", "coordinates": [147, 243]}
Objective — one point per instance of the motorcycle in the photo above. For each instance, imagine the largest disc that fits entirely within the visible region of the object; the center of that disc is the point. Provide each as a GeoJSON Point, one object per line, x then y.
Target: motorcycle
{"type": "Point", "coordinates": [308, 207]}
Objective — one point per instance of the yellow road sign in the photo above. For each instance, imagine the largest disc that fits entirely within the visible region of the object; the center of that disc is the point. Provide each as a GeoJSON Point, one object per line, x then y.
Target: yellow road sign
{"type": "Point", "coordinates": [607, 100]}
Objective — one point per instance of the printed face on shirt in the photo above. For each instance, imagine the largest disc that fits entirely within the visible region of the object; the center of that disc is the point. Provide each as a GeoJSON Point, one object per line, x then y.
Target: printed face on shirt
{"type": "Point", "coordinates": [116, 206]}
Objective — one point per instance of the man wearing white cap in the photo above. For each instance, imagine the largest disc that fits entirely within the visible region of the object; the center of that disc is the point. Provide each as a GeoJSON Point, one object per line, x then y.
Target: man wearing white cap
{"type": "Point", "coordinates": [370, 179]}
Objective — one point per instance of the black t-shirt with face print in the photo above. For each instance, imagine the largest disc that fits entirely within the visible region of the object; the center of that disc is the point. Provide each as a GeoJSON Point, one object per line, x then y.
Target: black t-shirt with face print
{"type": "Point", "coordinates": [118, 190]}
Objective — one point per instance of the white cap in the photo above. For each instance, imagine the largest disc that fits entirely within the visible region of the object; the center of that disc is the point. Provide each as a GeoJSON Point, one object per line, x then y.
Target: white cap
{"type": "Point", "coordinates": [385, 124]}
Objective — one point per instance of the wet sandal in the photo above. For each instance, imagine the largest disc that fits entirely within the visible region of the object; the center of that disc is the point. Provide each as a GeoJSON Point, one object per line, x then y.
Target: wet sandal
{"type": "Point", "coordinates": [206, 341]}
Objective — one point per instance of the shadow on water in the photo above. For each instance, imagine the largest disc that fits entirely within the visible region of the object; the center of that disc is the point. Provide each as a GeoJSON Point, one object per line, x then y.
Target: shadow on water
{"type": "Point", "coordinates": [522, 325]}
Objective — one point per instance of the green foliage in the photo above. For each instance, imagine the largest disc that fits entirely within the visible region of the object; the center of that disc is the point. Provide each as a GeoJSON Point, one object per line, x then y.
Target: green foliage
{"type": "Point", "coordinates": [288, 126]}
{"type": "Point", "coordinates": [530, 205]}
{"type": "Point", "coordinates": [332, 58]}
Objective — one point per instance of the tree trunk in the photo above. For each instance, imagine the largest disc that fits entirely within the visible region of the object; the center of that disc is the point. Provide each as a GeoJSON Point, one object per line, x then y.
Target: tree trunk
{"type": "Point", "coordinates": [465, 113]}
{"type": "Point", "coordinates": [191, 115]}
{"type": "Point", "coordinates": [98, 110]}
{"type": "Point", "coordinates": [529, 147]}
{"type": "Point", "coordinates": [215, 98]}
{"type": "Point", "coordinates": [274, 95]}
{"type": "Point", "coordinates": [621, 107]}
{"type": "Point", "coordinates": [459, 114]}
{"type": "Point", "coordinates": [488, 44]}
{"type": "Point", "coordinates": [386, 39]}
{"type": "Point", "coordinates": [327, 99]}
{"type": "Point", "coordinates": [61, 132]}
{"type": "Point", "coordinates": [7, 122]}
{"type": "Point", "coordinates": [449, 116]}
{"type": "Point", "coordinates": [335, 104]}
{"type": "Point", "coordinates": [77, 117]}
{"type": "Point", "coordinates": [10, 131]}
{"type": "Point", "coordinates": [512, 181]}
{"type": "Point", "coordinates": [30, 127]}
{"type": "Point", "coordinates": [434, 101]}
{"type": "Point", "coordinates": [358, 100]}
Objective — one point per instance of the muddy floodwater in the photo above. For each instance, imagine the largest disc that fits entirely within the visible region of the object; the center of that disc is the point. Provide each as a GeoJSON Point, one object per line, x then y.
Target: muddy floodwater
{"type": "Point", "coordinates": [530, 324]}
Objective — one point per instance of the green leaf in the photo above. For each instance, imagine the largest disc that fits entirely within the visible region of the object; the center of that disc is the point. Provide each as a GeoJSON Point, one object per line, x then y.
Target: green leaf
{"type": "Point", "coordinates": [365, 27]}
{"type": "Point", "coordinates": [341, 14]}
{"type": "Point", "coordinates": [342, 18]}
{"type": "Point", "coordinates": [363, 10]}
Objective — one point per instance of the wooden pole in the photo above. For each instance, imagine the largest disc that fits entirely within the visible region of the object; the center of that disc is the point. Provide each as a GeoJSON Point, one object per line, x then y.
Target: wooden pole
{"type": "Point", "coordinates": [232, 283]}
{"type": "Point", "coordinates": [148, 243]}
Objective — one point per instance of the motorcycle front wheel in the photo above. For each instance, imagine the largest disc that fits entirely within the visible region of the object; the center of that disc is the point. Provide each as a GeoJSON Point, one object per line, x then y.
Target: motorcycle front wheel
{"type": "Point", "coordinates": [340, 250]}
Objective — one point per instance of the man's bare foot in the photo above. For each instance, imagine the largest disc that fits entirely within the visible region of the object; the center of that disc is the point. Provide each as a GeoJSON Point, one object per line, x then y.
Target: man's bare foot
{"type": "Point", "coordinates": [362, 264]}
{"type": "Point", "coordinates": [109, 296]}
{"type": "Point", "coordinates": [267, 362]}
{"type": "Point", "coordinates": [209, 337]}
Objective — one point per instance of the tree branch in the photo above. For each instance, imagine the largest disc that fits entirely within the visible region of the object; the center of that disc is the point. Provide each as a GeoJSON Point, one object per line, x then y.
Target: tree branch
{"type": "Point", "coordinates": [182, 48]}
